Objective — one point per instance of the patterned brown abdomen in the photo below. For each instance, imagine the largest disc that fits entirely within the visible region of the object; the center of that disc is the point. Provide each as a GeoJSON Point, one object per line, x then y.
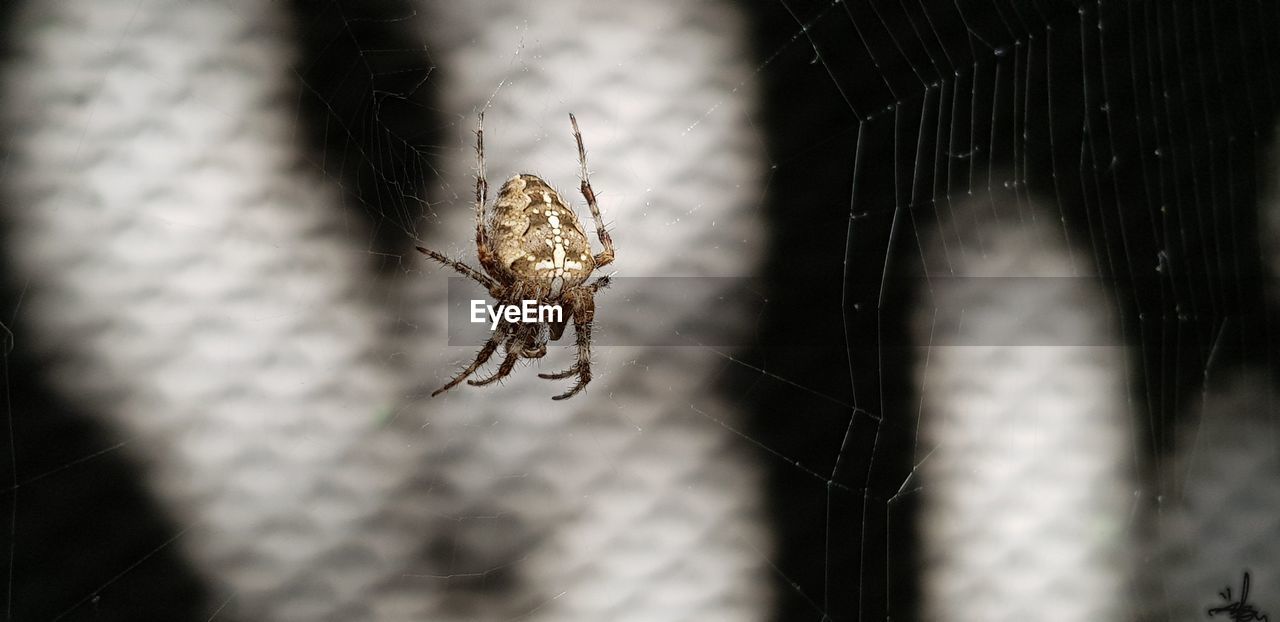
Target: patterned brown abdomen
{"type": "Point", "coordinates": [536, 236]}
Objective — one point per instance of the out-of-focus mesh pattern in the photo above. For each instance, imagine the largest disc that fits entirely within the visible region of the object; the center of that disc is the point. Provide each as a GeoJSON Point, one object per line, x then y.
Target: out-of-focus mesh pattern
{"type": "Point", "coordinates": [1221, 517]}
{"type": "Point", "coordinates": [671, 189]}
{"type": "Point", "coordinates": [192, 278]}
{"type": "Point", "coordinates": [1023, 460]}
{"type": "Point", "coordinates": [1224, 518]}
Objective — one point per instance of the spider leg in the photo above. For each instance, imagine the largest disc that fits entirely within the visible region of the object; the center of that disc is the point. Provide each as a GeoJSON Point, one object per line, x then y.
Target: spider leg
{"type": "Point", "coordinates": [583, 314]}
{"type": "Point", "coordinates": [605, 257]}
{"type": "Point", "coordinates": [595, 286]}
{"type": "Point", "coordinates": [599, 284]}
{"type": "Point", "coordinates": [556, 331]}
{"type": "Point", "coordinates": [487, 260]}
{"type": "Point", "coordinates": [483, 356]}
{"type": "Point", "coordinates": [464, 269]}
{"type": "Point", "coordinates": [561, 375]}
{"type": "Point", "coordinates": [504, 370]}
{"type": "Point", "coordinates": [583, 367]}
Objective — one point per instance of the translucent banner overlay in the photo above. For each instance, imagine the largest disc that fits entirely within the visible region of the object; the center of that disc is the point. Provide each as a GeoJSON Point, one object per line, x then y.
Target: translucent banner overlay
{"type": "Point", "coordinates": [726, 312]}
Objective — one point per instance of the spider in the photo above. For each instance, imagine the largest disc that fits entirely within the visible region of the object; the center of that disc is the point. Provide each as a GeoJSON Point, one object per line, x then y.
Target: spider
{"type": "Point", "coordinates": [534, 247]}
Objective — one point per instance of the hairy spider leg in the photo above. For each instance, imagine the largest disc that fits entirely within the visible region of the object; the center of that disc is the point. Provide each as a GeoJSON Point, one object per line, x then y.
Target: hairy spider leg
{"type": "Point", "coordinates": [504, 370]}
{"type": "Point", "coordinates": [593, 287]}
{"type": "Point", "coordinates": [487, 260]}
{"type": "Point", "coordinates": [573, 369]}
{"type": "Point", "coordinates": [483, 356]}
{"type": "Point", "coordinates": [605, 257]}
{"type": "Point", "coordinates": [467, 271]}
{"type": "Point", "coordinates": [584, 309]}
{"type": "Point", "coordinates": [599, 284]}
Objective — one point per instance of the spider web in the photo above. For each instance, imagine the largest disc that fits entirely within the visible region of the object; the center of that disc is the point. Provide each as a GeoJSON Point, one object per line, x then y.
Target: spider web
{"type": "Point", "coordinates": [1010, 289]}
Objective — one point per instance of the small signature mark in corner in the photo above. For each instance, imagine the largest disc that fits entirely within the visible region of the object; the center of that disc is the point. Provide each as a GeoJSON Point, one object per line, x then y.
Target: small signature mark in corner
{"type": "Point", "coordinates": [1238, 610]}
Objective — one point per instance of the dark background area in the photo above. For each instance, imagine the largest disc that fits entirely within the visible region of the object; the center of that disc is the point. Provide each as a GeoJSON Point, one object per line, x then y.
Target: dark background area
{"type": "Point", "coordinates": [1144, 123]}
{"type": "Point", "coordinates": [864, 102]}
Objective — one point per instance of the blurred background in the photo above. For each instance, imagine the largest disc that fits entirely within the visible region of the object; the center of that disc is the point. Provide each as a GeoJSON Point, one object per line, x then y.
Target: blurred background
{"type": "Point", "coordinates": [1011, 355]}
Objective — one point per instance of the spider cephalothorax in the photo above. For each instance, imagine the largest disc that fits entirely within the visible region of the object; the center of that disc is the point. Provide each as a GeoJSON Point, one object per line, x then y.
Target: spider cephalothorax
{"type": "Point", "coordinates": [534, 248]}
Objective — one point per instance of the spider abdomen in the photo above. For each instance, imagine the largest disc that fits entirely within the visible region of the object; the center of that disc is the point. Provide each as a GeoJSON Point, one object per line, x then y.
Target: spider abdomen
{"type": "Point", "coordinates": [536, 237]}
